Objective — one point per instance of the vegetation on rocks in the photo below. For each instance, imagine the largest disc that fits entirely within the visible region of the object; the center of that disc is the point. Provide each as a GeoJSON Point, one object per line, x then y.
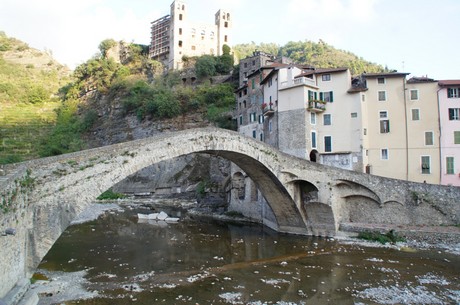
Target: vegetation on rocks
{"type": "Point", "coordinates": [389, 237]}
{"type": "Point", "coordinates": [46, 111]}
{"type": "Point", "coordinates": [110, 195]}
{"type": "Point", "coordinates": [318, 54]}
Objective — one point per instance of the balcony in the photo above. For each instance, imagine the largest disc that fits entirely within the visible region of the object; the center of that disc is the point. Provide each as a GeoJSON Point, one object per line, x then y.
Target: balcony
{"type": "Point", "coordinates": [268, 111]}
{"type": "Point", "coordinates": [316, 106]}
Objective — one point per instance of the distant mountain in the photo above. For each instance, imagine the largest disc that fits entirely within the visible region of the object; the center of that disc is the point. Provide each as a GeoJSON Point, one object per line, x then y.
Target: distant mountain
{"type": "Point", "coordinates": [319, 55]}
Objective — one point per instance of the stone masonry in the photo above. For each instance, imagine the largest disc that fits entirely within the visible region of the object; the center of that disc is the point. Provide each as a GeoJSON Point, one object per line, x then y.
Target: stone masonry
{"type": "Point", "coordinates": [40, 198]}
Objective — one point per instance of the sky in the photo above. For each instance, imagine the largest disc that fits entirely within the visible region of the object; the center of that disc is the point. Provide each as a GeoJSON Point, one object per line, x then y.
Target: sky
{"type": "Point", "coordinates": [421, 37]}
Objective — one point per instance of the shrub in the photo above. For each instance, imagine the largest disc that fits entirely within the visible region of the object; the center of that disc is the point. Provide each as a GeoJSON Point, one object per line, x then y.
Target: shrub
{"type": "Point", "coordinates": [110, 195]}
{"type": "Point", "coordinates": [389, 237]}
{"type": "Point", "coordinates": [205, 66]}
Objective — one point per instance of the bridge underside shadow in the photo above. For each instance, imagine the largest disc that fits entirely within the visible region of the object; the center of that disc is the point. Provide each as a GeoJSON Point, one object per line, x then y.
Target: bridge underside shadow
{"type": "Point", "coordinates": [288, 216]}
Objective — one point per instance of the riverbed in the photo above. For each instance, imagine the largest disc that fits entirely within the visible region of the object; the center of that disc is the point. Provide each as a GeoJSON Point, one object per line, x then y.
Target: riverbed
{"type": "Point", "coordinates": [119, 259]}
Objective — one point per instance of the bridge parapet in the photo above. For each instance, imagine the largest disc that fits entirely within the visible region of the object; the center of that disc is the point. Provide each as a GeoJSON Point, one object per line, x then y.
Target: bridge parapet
{"type": "Point", "coordinates": [43, 196]}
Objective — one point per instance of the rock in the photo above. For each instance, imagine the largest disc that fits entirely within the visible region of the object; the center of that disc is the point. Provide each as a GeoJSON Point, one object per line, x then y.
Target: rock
{"type": "Point", "coordinates": [162, 216]}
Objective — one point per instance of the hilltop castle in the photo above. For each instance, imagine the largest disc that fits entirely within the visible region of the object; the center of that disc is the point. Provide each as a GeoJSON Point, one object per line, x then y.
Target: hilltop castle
{"type": "Point", "coordinates": [174, 36]}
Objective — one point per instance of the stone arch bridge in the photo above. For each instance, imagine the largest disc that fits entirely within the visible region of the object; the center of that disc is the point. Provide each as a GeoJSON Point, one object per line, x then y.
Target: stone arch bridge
{"type": "Point", "coordinates": [41, 197]}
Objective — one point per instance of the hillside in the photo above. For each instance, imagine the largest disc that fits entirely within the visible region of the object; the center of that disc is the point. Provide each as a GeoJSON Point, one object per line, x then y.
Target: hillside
{"type": "Point", "coordinates": [29, 83]}
{"type": "Point", "coordinates": [123, 95]}
{"type": "Point", "coordinates": [319, 55]}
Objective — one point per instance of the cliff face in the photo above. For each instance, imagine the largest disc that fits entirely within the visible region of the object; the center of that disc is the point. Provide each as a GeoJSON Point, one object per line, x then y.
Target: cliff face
{"type": "Point", "coordinates": [197, 176]}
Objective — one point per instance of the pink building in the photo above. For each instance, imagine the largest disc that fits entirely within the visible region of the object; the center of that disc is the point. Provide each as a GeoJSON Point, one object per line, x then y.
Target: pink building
{"type": "Point", "coordinates": [449, 118]}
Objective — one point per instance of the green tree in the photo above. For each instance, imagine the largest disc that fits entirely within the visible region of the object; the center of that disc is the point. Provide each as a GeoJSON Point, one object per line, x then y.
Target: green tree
{"type": "Point", "coordinates": [106, 45]}
{"type": "Point", "coordinates": [205, 66]}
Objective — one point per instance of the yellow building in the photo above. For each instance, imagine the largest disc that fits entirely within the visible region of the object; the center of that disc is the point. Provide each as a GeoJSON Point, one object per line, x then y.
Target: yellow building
{"type": "Point", "coordinates": [400, 125]}
{"type": "Point", "coordinates": [175, 36]}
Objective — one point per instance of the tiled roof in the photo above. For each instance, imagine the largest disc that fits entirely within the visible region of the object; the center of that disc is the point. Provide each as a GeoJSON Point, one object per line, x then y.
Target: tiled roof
{"type": "Point", "coordinates": [387, 74]}
{"type": "Point", "coordinates": [449, 82]}
{"type": "Point", "coordinates": [421, 79]}
{"type": "Point", "coordinates": [321, 71]}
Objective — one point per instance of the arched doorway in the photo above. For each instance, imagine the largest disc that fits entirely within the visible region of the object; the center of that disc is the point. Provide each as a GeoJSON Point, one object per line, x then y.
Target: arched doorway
{"type": "Point", "coordinates": [314, 155]}
{"type": "Point", "coordinates": [238, 185]}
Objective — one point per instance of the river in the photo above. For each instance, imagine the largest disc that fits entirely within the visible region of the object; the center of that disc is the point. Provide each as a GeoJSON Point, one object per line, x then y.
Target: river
{"type": "Point", "coordinates": [118, 259]}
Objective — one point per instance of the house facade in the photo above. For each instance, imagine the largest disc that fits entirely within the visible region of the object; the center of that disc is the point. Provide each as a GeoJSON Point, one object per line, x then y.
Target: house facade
{"type": "Point", "coordinates": [449, 117]}
{"type": "Point", "coordinates": [175, 36]}
{"type": "Point", "coordinates": [378, 123]}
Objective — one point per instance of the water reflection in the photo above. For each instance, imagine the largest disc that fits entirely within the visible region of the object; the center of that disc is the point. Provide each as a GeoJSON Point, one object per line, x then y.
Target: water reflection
{"type": "Point", "coordinates": [203, 262]}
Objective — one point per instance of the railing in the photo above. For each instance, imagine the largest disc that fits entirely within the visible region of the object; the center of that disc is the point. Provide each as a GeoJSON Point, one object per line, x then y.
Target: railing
{"type": "Point", "coordinates": [316, 106]}
{"type": "Point", "coordinates": [298, 81]}
{"type": "Point", "coordinates": [268, 111]}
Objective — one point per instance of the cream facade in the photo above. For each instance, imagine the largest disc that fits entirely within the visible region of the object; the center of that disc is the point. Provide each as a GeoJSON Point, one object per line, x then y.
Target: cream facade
{"type": "Point", "coordinates": [175, 36]}
{"type": "Point", "coordinates": [401, 128]}
{"type": "Point", "coordinates": [381, 123]}
{"type": "Point", "coordinates": [449, 114]}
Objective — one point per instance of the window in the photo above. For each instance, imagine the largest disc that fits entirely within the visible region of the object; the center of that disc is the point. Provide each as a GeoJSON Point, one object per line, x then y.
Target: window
{"type": "Point", "coordinates": [450, 170]}
{"type": "Point", "coordinates": [180, 16]}
{"type": "Point", "coordinates": [384, 122]}
{"type": "Point", "coordinates": [384, 126]}
{"type": "Point", "coordinates": [365, 131]}
{"type": "Point", "coordinates": [384, 154]}
{"type": "Point", "coordinates": [453, 92]}
{"type": "Point", "coordinates": [244, 104]}
{"type": "Point", "coordinates": [211, 34]}
{"type": "Point", "coordinates": [270, 126]}
{"type": "Point", "coordinates": [312, 95]}
{"type": "Point", "coordinates": [180, 43]}
{"type": "Point", "coordinates": [241, 120]}
{"type": "Point", "coordinates": [252, 117]}
{"type": "Point", "coordinates": [203, 32]}
{"type": "Point", "coordinates": [180, 31]}
{"type": "Point", "coordinates": [328, 144]}
{"type": "Point", "coordinates": [326, 96]}
{"type": "Point", "coordinates": [225, 38]}
{"type": "Point", "coordinates": [270, 82]}
{"type": "Point", "coordinates": [429, 138]}
{"type": "Point", "coordinates": [380, 80]}
{"type": "Point", "coordinates": [415, 114]}
{"type": "Point", "coordinates": [261, 119]}
{"type": "Point", "coordinates": [313, 139]}
{"type": "Point", "coordinates": [326, 77]}
{"type": "Point", "coordinates": [354, 114]}
{"type": "Point", "coordinates": [363, 98]}
{"type": "Point", "coordinates": [254, 134]}
{"type": "Point", "coordinates": [193, 48]}
{"type": "Point", "coordinates": [382, 96]}
{"type": "Point", "coordinates": [327, 119]}
{"type": "Point", "coordinates": [413, 94]}
{"type": "Point", "coordinates": [253, 83]}
{"type": "Point", "coordinates": [454, 114]}
{"type": "Point", "coordinates": [245, 64]}
{"type": "Point", "coordinates": [253, 62]}
{"type": "Point", "coordinates": [262, 137]}
{"type": "Point", "coordinates": [226, 24]}
{"type": "Point", "coordinates": [456, 137]}
{"type": "Point", "coordinates": [312, 118]}
{"type": "Point", "coordinates": [425, 160]}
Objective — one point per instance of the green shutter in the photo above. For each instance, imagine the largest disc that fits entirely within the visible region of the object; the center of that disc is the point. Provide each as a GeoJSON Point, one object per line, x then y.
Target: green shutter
{"type": "Point", "coordinates": [450, 166]}
{"type": "Point", "coordinates": [316, 95]}
{"type": "Point", "coordinates": [456, 137]}
{"type": "Point", "coordinates": [321, 96]}
{"type": "Point", "coordinates": [331, 97]}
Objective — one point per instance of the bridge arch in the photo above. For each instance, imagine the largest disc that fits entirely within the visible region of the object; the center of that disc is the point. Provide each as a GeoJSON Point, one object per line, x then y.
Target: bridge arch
{"type": "Point", "coordinates": [44, 195]}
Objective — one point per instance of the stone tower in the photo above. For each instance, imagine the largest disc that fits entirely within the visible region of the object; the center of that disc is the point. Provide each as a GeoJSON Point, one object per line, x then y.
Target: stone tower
{"type": "Point", "coordinates": [224, 25]}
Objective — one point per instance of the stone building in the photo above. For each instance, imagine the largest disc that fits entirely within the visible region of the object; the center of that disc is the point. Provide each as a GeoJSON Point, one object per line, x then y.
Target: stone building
{"type": "Point", "coordinates": [175, 36]}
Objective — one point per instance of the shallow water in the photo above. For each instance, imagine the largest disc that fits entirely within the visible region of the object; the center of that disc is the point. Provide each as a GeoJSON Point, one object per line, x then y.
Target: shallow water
{"type": "Point", "coordinates": [118, 260]}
